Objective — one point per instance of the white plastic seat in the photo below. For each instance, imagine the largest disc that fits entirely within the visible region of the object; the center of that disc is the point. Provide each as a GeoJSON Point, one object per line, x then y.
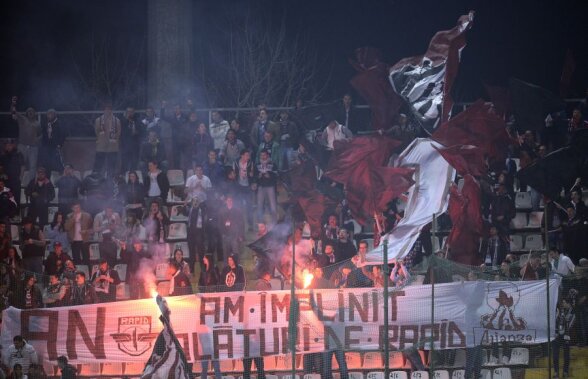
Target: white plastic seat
{"type": "Point", "coordinates": [94, 251]}
{"type": "Point", "coordinates": [176, 213]}
{"type": "Point", "coordinates": [139, 176]}
{"type": "Point", "coordinates": [52, 211]}
{"type": "Point", "coordinates": [276, 284]}
{"type": "Point", "coordinates": [370, 242]}
{"type": "Point", "coordinates": [161, 271]}
{"type": "Point", "coordinates": [55, 199]}
{"type": "Point", "coordinates": [419, 375]}
{"type": "Point", "coordinates": [458, 374]}
{"type": "Point", "coordinates": [534, 242]}
{"type": "Point", "coordinates": [516, 242]}
{"type": "Point", "coordinates": [435, 243]}
{"type": "Point", "coordinates": [460, 358]}
{"type": "Point", "coordinates": [501, 373]}
{"type": "Point", "coordinates": [441, 374]}
{"type": "Point", "coordinates": [177, 231]}
{"type": "Point", "coordinates": [535, 219]}
{"type": "Point", "coordinates": [87, 173]}
{"type": "Point", "coordinates": [14, 233]}
{"type": "Point", "coordinates": [523, 200]}
{"type": "Point", "coordinates": [112, 369]}
{"type": "Point", "coordinates": [355, 375]}
{"type": "Point", "coordinates": [353, 360]}
{"type": "Point", "coordinates": [372, 360]}
{"type": "Point", "coordinates": [312, 376]}
{"type": "Point", "coordinates": [375, 375]}
{"type": "Point", "coordinates": [85, 269]}
{"type": "Point", "coordinates": [123, 291]}
{"type": "Point", "coordinates": [121, 269]}
{"type": "Point", "coordinates": [523, 259]}
{"type": "Point", "coordinates": [519, 221]}
{"type": "Point", "coordinates": [176, 178]}
{"type": "Point", "coordinates": [23, 198]}
{"type": "Point", "coordinates": [398, 375]}
{"type": "Point", "coordinates": [396, 359]}
{"type": "Point", "coordinates": [485, 374]}
{"type": "Point", "coordinates": [519, 356]}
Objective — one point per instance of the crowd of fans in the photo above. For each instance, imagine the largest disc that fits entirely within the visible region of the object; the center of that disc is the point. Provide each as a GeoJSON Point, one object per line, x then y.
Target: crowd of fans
{"type": "Point", "coordinates": [235, 172]}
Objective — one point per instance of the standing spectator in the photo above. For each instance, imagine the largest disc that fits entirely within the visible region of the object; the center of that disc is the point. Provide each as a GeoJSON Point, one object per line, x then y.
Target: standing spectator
{"type": "Point", "coordinates": [151, 121]}
{"type": "Point", "coordinates": [155, 223]}
{"type": "Point", "coordinates": [81, 292]}
{"type": "Point", "coordinates": [52, 139]}
{"type": "Point", "coordinates": [400, 275]}
{"type": "Point", "coordinates": [8, 206]}
{"type": "Point", "coordinates": [132, 133]}
{"type": "Point", "coordinates": [156, 185]}
{"type": "Point", "coordinates": [502, 211]}
{"type": "Point", "coordinates": [55, 262]}
{"type": "Point", "coordinates": [13, 264]}
{"type": "Point", "coordinates": [493, 249]}
{"type": "Point", "coordinates": [67, 371]}
{"type": "Point", "coordinates": [108, 248]}
{"type": "Point", "coordinates": [153, 150]}
{"type": "Point", "coordinates": [28, 294]}
{"type": "Point", "coordinates": [269, 145]}
{"type": "Point", "coordinates": [241, 133]}
{"type": "Point", "coordinates": [261, 125]}
{"type": "Point", "coordinates": [202, 143]}
{"type": "Point", "coordinates": [564, 325]}
{"type": "Point", "coordinates": [209, 282]}
{"type": "Point", "coordinates": [105, 281]}
{"type": "Point", "coordinates": [213, 169]}
{"type": "Point", "coordinates": [197, 185]}
{"type": "Point", "coordinates": [218, 129]}
{"type": "Point", "coordinates": [132, 257]}
{"type": "Point", "coordinates": [231, 221]}
{"type": "Point", "coordinates": [108, 219]}
{"type": "Point", "coordinates": [266, 179]}
{"type": "Point", "coordinates": [577, 121]}
{"type": "Point", "coordinates": [233, 275]}
{"type": "Point", "coordinates": [197, 227]}
{"type": "Point", "coordinates": [344, 246]}
{"type": "Point", "coordinates": [94, 188]}
{"type": "Point", "coordinates": [179, 134]}
{"type": "Point", "coordinates": [580, 208]}
{"type": "Point", "coordinates": [20, 352]}
{"type": "Point", "coordinates": [54, 293]}
{"type": "Point", "coordinates": [345, 113]}
{"type": "Point", "coordinates": [288, 140]}
{"type": "Point", "coordinates": [13, 162]}
{"type": "Point", "coordinates": [133, 193]}
{"type": "Point", "coordinates": [334, 132]}
{"type": "Point", "coordinates": [78, 226]}
{"type": "Point", "coordinates": [29, 130]}
{"type": "Point", "coordinates": [40, 191]}
{"type": "Point", "coordinates": [245, 171]}
{"type": "Point", "coordinates": [69, 188]}
{"type": "Point", "coordinates": [33, 247]}
{"type": "Point", "coordinates": [231, 149]}
{"type": "Point", "coordinates": [178, 258]}
{"type": "Point", "coordinates": [108, 132]}
{"type": "Point", "coordinates": [532, 269]}
{"type": "Point", "coordinates": [132, 228]}
{"type": "Point", "coordinates": [560, 264]}
{"type": "Point", "coordinates": [5, 238]}
{"type": "Point", "coordinates": [179, 283]}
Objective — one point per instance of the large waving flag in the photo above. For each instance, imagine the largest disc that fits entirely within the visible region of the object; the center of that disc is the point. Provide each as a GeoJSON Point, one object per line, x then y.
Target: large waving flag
{"type": "Point", "coordinates": [428, 196]}
{"type": "Point", "coordinates": [425, 81]}
{"type": "Point", "coordinates": [531, 104]}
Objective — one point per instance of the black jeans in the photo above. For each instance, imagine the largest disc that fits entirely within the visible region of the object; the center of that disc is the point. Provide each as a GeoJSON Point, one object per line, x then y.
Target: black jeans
{"type": "Point", "coordinates": [80, 252]}
{"type": "Point", "coordinates": [565, 344]}
{"type": "Point", "coordinates": [258, 365]}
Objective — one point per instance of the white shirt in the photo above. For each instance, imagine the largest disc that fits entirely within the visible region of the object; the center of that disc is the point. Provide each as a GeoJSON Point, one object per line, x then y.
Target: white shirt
{"type": "Point", "coordinates": [154, 189]}
{"type": "Point", "coordinates": [197, 187]}
{"type": "Point", "coordinates": [565, 266]}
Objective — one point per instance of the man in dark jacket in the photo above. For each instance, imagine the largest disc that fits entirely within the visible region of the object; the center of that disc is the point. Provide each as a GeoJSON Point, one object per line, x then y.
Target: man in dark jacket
{"type": "Point", "coordinates": [232, 228]}
{"type": "Point", "coordinates": [179, 282]}
{"type": "Point", "coordinates": [52, 139]}
{"type": "Point", "coordinates": [13, 163]}
{"type": "Point", "coordinates": [156, 184]}
{"type": "Point", "coordinates": [105, 281]}
{"type": "Point", "coordinates": [52, 267]}
{"type": "Point", "coordinates": [81, 292]}
{"type": "Point", "coordinates": [69, 188]}
{"type": "Point", "coordinates": [40, 191]}
{"type": "Point", "coordinates": [197, 226]}
{"type": "Point", "coordinates": [153, 150]}
{"type": "Point", "coordinates": [132, 257]}
{"type": "Point", "coordinates": [233, 276]}
{"type": "Point", "coordinates": [132, 131]}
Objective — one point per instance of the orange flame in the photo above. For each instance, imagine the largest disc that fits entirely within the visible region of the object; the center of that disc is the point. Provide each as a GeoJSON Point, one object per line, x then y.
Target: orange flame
{"type": "Point", "coordinates": [307, 278]}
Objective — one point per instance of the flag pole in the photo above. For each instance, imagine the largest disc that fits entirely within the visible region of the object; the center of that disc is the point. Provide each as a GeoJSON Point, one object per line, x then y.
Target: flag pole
{"type": "Point", "coordinates": [293, 304]}
{"type": "Point", "coordinates": [432, 270]}
{"type": "Point", "coordinates": [386, 321]}
{"type": "Point", "coordinates": [548, 297]}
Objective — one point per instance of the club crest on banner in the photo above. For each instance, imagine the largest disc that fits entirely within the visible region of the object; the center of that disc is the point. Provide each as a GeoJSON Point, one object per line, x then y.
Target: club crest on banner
{"type": "Point", "coordinates": [134, 335]}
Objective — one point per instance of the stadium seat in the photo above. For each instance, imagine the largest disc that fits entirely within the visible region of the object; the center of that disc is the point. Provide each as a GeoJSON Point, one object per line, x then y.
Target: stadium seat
{"type": "Point", "coordinates": [182, 245]}
{"type": "Point", "coordinates": [519, 221]}
{"type": "Point", "coordinates": [284, 362]}
{"type": "Point", "coordinates": [89, 369]}
{"type": "Point", "coordinates": [52, 211]}
{"type": "Point", "coordinates": [123, 291]}
{"type": "Point", "coordinates": [435, 243]}
{"type": "Point", "coordinates": [267, 376]}
{"type": "Point", "coordinates": [269, 363]}
{"type": "Point", "coordinates": [353, 360]}
{"type": "Point", "coordinates": [178, 213]}
{"type": "Point", "coordinates": [460, 358]}
{"type": "Point", "coordinates": [534, 242]}
{"type": "Point", "coordinates": [485, 374]}
{"type": "Point", "coordinates": [441, 374]}
{"type": "Point", "coordinates": [163, 288]}
{"type": "Point", "coordinates": [312, 376]}
{"type": "Point", "coordinates": [226, 365]}
{"type": "Point", "coordinates": [519, 356]}
{"type": "Point", "coordinates": [535, 219]}
{"type": "Point", "coordinates": [276, 284]}
{"type": "Point", "coordinates": [139, 176]}
{"type": "Point", "coordinates": [355, 375]}
{"type": "Point", "coordinates": [516, 242]}
{"type": "Point", "coordinates": [372, 360]}
{"type": "Point", "coordinates": [458, 374]}
{"type": "Point", "coordinates": [398, 375]}
{"type": "Point", "coordinates": [289, 376]}
{"type": "Point", "coordinates": [87, 173]}
{"type": "Point", "coordinates": [121, 269]}
{"type": "Point", "coordinates": [14, 232]}
{"type": "Point", "coordinates": [134, 368]}
{"type": "Point", "coordinates": [27, 176]}
{"type": "Point", "coordinates": [161, 271]}
{"type": "Point", "coordinates": [501, 373]}
{"type": "Point", "coordinates": [189, 172]}
{"type": "Point", "coordinates": [23, 198]}
{"type": "Point", "coordinates": [176, 178]}
{"type": "Point", "coordinates": [55, 200]}
{"type": "Point", "coordinates": [177, 231]}
{"type": "Point", "coordinates": [396, 359]}
{"type": "Point", "coordinates": [77, 174]}
{"type": "Point", "coordinates": [85, 269]}
{"type": "Point", "coordinates": [237, 365]}
{"type": "Point", "coordinates": [94, 250]}
{"type": "Point", "coordinates": [94, 268]}
{"type": "Point", "coordinates": [419, 375]}
{"type": "Point", "coordinates": [523, 259]}
{"type": "Point", "coordinates": [18, 250]}
{"type": "Point", "coordinates": [375, 375]}
{"type": "Point", "coordinates": [523, 200]}
{"type": "Point", "coordinates": [370, 242]}
{"type": "Point", "coordinates": [460, 184]}
{"type": "Point", "coordinates": [112, 369]}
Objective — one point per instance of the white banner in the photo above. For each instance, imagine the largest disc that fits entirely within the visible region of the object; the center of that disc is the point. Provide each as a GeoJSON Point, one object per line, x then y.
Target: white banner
{"type": "Point", "coordinates": [237, 324]}
{"type": "Point", "coordinates": [429, 195]}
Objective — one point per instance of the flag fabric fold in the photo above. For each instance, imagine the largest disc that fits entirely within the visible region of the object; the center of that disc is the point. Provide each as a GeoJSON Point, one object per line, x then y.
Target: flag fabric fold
{"type": "Point", "coordinates": [167, 359]}
{"type": "Point", "coordinates": [466, 159]}
{"type": "Point", "coordinates": [428, 196]}
{"type": "Point", "coordinates": [531, 104]}
{"type": "Point", "coordinates": [425, 81]}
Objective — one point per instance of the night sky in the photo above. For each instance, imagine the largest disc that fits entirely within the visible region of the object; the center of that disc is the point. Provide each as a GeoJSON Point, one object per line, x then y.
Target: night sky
{"type": "Point", "coordinates": [523, 39]}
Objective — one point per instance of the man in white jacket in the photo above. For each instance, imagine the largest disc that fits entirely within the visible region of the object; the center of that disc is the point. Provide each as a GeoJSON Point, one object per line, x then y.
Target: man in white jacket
{"type": "Point", "coordinates": [20, 352]}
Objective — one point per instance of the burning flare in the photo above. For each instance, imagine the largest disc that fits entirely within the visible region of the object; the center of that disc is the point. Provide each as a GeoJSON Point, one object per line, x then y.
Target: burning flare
{"type": "Point", "coordinates": [307, 278]}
